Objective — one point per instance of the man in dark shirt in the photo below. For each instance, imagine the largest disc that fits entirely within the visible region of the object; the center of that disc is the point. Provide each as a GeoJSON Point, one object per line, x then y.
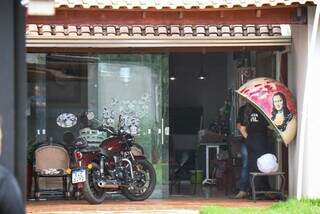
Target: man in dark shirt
{"type": "Point", "coordinates": [256, 128]}
{"type": "Point", "coordinates": [244, 175]}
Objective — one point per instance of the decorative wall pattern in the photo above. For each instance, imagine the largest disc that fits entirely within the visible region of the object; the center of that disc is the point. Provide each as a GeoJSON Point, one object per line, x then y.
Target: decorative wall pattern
{"type": "Point", "coordinates": [131, 111]}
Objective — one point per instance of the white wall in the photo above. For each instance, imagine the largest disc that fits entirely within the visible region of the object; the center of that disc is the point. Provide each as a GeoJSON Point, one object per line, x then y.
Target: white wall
{"type": "Point", "coordinates": [298, 64]}
{"type": "Point", "coordinates": [296, 77]}
{"type": "Point", "coordinates": [311, 172]}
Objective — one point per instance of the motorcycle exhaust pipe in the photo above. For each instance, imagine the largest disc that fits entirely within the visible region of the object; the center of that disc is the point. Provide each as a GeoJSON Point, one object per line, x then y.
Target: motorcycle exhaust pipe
{"type": "Point", "coordinates": [105, 185]}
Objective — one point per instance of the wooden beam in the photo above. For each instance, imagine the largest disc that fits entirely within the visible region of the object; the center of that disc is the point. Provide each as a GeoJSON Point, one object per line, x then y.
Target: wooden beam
{"type": "Point", "coordinates": [150, 50]}
{"type": "Point", "coordinates": [276, 15]}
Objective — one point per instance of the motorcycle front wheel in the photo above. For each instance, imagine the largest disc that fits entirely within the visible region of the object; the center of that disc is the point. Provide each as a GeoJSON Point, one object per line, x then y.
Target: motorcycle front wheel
{"type": "Point", "coordinates": [144, 181]}
{"type": "Point", "coordinates": [91, 192]}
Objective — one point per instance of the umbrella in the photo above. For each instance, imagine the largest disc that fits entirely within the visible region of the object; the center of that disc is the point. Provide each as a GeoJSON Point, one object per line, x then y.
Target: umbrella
{"type": "Point", "coordinates": [276, 102]}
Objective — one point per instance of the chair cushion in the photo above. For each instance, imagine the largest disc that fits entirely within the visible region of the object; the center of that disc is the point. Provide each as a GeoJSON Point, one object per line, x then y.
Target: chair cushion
{"type": "Point", "coordinates": [51, 172]}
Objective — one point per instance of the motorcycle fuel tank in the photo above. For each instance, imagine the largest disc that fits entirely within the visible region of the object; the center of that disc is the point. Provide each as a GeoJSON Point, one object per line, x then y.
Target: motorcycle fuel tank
{"type": "Point", "coordinates": [112, 144]}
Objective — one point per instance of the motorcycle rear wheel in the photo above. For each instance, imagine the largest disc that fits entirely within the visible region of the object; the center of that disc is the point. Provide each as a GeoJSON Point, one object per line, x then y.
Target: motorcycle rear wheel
{"type": "Point", "coordinates": [91, 192]}
{"type": "Point", "coordinates": [141, 167]}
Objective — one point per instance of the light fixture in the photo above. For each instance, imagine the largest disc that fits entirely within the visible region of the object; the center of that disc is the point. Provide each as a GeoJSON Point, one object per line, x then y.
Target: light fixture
{"type": "Point", "coordinates": [202, 75]}
{"type": "Point", "coordinates": [172, 76]}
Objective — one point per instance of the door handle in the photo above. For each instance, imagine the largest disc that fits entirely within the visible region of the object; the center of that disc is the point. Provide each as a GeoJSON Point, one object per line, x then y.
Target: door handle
{"type": "Point", "coordinates": [162, 131]}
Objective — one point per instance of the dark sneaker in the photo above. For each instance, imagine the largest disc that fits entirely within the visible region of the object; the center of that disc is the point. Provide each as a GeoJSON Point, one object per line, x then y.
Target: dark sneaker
{"type": "Point", "coordinates": [241, 195]}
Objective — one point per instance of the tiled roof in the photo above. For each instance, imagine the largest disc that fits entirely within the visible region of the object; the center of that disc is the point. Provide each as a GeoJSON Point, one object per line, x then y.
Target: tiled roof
{"type": "Point", "coordinates": [135, 31]}
{"type": "Point", "coordinates": [138, 36]}
{"type": "Point", "coordinates": [171, 4]}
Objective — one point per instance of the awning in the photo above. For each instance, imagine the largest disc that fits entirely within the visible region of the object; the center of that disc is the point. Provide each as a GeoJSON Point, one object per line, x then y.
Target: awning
{"type": "Point", "coordinates": [171, 4]}
{"type": "Point", "coordinates": [111, 36]}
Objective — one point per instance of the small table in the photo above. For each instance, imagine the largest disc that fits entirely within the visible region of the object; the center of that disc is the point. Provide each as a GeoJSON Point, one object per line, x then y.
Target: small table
{"type": "Point", "coordinates": [253, 187]}
{"type": "Point", "coordinates": [216, 145]}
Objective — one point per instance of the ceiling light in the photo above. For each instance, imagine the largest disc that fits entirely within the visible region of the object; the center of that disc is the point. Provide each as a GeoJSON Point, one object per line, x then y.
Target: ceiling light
{"type": "Point", "coordinates": [202, 75]}
{"type": "Point", "coordinates": [172, 78]}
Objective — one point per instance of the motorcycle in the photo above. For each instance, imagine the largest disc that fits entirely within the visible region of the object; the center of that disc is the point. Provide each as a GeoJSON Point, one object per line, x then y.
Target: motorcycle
{"type": "Point", "coordinates": [112, 166]}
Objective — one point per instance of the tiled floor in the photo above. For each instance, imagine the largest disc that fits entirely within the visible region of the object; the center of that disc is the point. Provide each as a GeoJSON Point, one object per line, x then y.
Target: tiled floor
{"type": "Point", "coordinates": [186, 200]}
{"type": "Point", "coordinates": [202, 191]}
{"type": "Point", "coordinates": [176, 205]}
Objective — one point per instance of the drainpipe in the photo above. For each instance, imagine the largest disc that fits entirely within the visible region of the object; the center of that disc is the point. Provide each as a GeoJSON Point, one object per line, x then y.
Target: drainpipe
{"type": "Point", "coordinates": [278, 61]}
{"type": "Point", "coordinates": [306, 98]}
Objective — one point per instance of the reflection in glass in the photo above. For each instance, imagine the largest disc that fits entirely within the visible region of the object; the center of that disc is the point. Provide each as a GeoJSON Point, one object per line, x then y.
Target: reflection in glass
{"type": "Point", "coordinates": [133, 86]}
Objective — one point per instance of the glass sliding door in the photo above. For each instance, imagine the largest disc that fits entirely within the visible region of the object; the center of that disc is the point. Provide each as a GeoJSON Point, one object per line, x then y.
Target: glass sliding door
{"type": "Point", "coordinates": [135, 87]}
{"type": "Point", "coordinates": [37, 102]}
{"type": "Point", "coordinates": [131, 85]}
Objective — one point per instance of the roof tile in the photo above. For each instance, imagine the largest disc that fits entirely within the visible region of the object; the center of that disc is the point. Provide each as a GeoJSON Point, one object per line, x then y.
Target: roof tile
{"type": "Point", "coordinates": [111, 30]}
{"type": "Point", "coordinates": [72, 30]}
{"type": "Point", "coordinates": [213, 30]}
{"type": "Point", "coordinates": [238, 30]}
{"type": "Point", "coordinates": [136, 30]}
{"type": "Point", "coordinates": [200, 31]}
{"type": "Point", "coordinates": [149, 30]}
{"type": "Point", "coordinates": [162, 30]}
{"type": "Point", "coordinates": [225, 30]}
{"type": "Point", "coordinates": [154, 30]}
{"type": "Point", "coordinates": [124, 30]}
{"type": "Point", "coordinates": [97, 31]}
{"type": "Point", "coordinates": [46, 30]}
{"type": "Point", "coordinates": [276, 30]}
{"type": "Point", "coordinates": [187, 30]}
{"type": "Point", "coordinates": [172, 4]}
{"type": "Point", "coordinates": [264, 30]}
{"type": "Point", "coordinates": [251, 30]}
{"type": "Point", "coordinates": [32, 30]}
{"type": "Point", "coordinates": [59, 30]}
{"type": "Point", "coordinates": [175, 31]}
{"type": "Point", "coordinates": [85, 30]}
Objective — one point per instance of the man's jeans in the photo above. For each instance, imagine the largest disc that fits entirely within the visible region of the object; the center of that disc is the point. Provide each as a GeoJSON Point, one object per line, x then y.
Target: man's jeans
{"type": "Point", "coordinates": [244, 175]}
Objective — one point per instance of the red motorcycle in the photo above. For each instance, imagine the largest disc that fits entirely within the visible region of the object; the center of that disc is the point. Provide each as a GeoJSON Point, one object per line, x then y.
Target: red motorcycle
{"type": "Point", "coordinates": [112, 166]}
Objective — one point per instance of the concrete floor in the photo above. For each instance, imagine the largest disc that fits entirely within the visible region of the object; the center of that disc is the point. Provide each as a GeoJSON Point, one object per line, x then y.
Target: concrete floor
{"type": "Point", "coordinates": [175, 205]}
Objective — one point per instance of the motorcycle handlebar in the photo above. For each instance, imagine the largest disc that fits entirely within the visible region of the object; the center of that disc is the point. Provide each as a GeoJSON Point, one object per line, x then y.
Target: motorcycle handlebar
{"type": "Point", "coordinates": [83, 116]}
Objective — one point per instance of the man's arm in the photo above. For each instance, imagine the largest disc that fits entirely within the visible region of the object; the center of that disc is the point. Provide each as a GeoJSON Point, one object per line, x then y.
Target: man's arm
{"type": "Point", "coordinates": [243, 130]}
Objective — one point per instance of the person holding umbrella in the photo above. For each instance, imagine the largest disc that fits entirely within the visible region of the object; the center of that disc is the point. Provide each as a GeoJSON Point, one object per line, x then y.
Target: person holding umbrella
{"type": "Point", "coordinates": [270, 100]}
{"type": "Point", "coordinates": [254, 129]}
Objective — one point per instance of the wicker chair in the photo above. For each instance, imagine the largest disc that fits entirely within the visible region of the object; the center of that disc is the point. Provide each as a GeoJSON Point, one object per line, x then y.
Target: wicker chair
{"type": "Point", "coordinates": [51, 160]}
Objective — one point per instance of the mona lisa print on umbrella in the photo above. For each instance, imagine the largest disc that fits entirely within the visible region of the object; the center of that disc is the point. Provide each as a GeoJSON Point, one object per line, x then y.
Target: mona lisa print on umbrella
{"type": "Point", "coordinates": [281, 115]}
{"type": "Point", "coordinates": [276, 103]}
